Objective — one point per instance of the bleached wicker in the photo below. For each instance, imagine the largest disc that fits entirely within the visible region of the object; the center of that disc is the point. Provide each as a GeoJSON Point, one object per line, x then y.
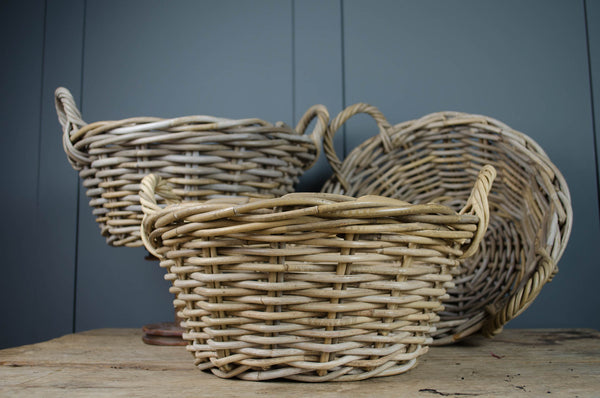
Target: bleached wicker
{"type": "Point", "coordinates": [201, 156]}
{"type": "Point", "coordinates": [436, 158]}
{"type": "Point", "coordinates": [310, 287]}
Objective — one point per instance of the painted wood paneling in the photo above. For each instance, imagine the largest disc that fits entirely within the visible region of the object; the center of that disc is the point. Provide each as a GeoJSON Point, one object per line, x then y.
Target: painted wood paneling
{"type": "Point", "coordinates": [593, 26]}
{"type": "Point", "coordinates": [221, 58]}
{"type": "Point", "coordinates": [56, 223]}
{"type": "Point", "coordinates": [21, 51]}
{"type": "Point", "coordinates": [524, 63]}
{"type": "Point", "coordinates": [318, 71]}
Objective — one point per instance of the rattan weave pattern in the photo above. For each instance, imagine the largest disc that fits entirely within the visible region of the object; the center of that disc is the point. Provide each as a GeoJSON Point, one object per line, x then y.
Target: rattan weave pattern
{"type": "Point", "coordinates": [310, 287]}
{"type": "Point", "coordinates": [435, 159]}
{"type": "Point", "coordinates": [201, 156]}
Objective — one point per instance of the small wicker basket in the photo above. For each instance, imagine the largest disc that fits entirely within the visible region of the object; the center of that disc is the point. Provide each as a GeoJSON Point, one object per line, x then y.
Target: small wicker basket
{"type": "Point", "coordinates": [436, 158]}
{"type": "Point", "coordinates": [201, 156]}
{"type": "Point", "coordinates": [311, 287]}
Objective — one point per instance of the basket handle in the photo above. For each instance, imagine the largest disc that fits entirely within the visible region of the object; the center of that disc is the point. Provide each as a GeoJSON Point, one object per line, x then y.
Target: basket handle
{"type": "Point", "coordinates": [71, 121]}
{"type": "Point", "coordinates": [522, 298]}
{"type": "Point", "coordinates": [322, 114]}
{"type": "Point", "coordinates": [152, 185]}
{"type": "Point", "coordinates": [478, 205]}
{"type": "Point", "coordinates": [340, 119]}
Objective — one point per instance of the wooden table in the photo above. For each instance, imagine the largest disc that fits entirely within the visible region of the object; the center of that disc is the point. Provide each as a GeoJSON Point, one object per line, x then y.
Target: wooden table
{"type": "Point", "coordinates": [115, 362]}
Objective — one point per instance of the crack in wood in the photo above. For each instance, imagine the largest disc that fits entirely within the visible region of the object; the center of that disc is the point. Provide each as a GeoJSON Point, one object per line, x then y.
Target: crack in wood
{"type": "Point", "coordinates": [447, 394]}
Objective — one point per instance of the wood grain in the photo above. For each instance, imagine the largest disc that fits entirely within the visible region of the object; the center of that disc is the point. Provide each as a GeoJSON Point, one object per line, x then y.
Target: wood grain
{"type": "Point", "coordinates": [115, 362]}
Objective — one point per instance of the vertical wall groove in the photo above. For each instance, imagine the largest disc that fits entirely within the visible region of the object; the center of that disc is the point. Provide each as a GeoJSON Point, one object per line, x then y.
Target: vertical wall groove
{"type": "Point", "coordinates": [317, 72]}
{"type": "Point", "coordinates": [591, 83]}
{"type": "Point", "coordinates": [343, 53]}
{"type": "Point", "coordinates": [293, 63]}
{"type": "Point", "coordinates": [40, 109]}
{"type": "Point", "coordinates": [77, 208]}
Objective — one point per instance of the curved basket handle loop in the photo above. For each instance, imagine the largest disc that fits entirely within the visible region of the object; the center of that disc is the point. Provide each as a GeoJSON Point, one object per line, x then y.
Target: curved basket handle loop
{"type": "Point", "coordinates": [340, 119]}
{"type": "Point", "coordinates": [71, 121]}
{"type": "Point", "coordinates": [522, 297]}
{"type": "Point", "coordinates": [478, 205]}
{"type": "Point", "coordinates": [322, 115]}
{"type": "Point", "coordinates": [153, 185]}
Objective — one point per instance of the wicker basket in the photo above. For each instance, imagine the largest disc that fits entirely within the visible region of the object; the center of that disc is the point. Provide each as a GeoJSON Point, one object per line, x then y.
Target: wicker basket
{"type": "Point", "coordinates": [310, 287]}
{"type": "Point", "coordinates": [201, 156]}
{"type": "Point", "coordinates": [436, 158]}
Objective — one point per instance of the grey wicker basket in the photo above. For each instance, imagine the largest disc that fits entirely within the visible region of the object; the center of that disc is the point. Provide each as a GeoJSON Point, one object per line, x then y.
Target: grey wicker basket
{"type": "Point", "coordinates": [202, 157]}
{"type": "Point", "coordinates": [435, 159]}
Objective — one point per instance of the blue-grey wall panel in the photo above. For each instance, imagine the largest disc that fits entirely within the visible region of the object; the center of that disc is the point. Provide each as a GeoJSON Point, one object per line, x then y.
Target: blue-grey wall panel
{"type": "Point", "coordinates": [593, 25]}
{"type": "Point", "coordinates": [185, 57]}
{"type": "Point", "coordinates": [21, 54]}
{"type": "Point", "coordinates": [524, 63]}
{"type": "Point", "coordinates": [57, 186]}
{"type": "Point", "coordinates": [317, 70]}
{"type": "Point", "coordinates": [222, 58]}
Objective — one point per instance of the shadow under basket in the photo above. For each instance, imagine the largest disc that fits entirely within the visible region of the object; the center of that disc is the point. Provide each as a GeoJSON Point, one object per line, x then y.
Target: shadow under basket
{"type": "Point", "coordinates": [436, 159]}
{"type": "Point", "coordinates": [310, 287]}
{"type": "Point", "coordinates": [202, 157]}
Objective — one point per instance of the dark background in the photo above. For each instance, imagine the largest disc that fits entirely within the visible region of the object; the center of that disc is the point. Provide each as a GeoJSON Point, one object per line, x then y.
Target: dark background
{"type": "Point", "coordinates": [534, 65]}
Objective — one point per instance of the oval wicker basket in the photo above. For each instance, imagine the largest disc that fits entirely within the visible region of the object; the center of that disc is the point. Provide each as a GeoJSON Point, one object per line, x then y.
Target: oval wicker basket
{"type": "Point", "coordinates": [201, 156]}
{"type": "Point", "coordinates": [310, 287]}
{"type": "Point", "coordinates": [436, 158]}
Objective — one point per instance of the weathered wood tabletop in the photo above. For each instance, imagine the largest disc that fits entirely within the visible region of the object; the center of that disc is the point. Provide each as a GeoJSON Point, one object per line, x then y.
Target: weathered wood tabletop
{"type": "Point", "coordinates": [115, 362]}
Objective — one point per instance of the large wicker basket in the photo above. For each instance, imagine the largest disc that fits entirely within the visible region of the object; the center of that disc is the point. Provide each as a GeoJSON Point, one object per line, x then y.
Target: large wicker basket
{"type": "Point", "coordinates": [308, 286]}
{"type": "Point", "coordinates": [201, 156]}
{"type": "Point", "coordinates": [436, 158]}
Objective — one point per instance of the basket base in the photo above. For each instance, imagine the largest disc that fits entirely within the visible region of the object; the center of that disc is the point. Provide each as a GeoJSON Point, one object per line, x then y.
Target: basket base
{"type": "Point", "coordinates": [163, 333]}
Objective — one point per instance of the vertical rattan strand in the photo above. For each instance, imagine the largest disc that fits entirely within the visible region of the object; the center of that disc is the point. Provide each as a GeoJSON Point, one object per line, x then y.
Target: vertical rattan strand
{"type": "Point", "coordinates": [273, 278]}
{"type": "Point", "coordinates": [341, 269]}
{"type": "Point", "coordinates": [214, 270]}
{"type": "Point", "coordinates": [406, 263]}
{"type": "Point", "coordinates": [201, 361]}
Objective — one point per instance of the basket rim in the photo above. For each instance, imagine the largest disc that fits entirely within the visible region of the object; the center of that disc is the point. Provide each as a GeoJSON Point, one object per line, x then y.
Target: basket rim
{"type": "Point", "coordinates": [79, 135]}
{"type": "Point", "coordinates": [322, 204]}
